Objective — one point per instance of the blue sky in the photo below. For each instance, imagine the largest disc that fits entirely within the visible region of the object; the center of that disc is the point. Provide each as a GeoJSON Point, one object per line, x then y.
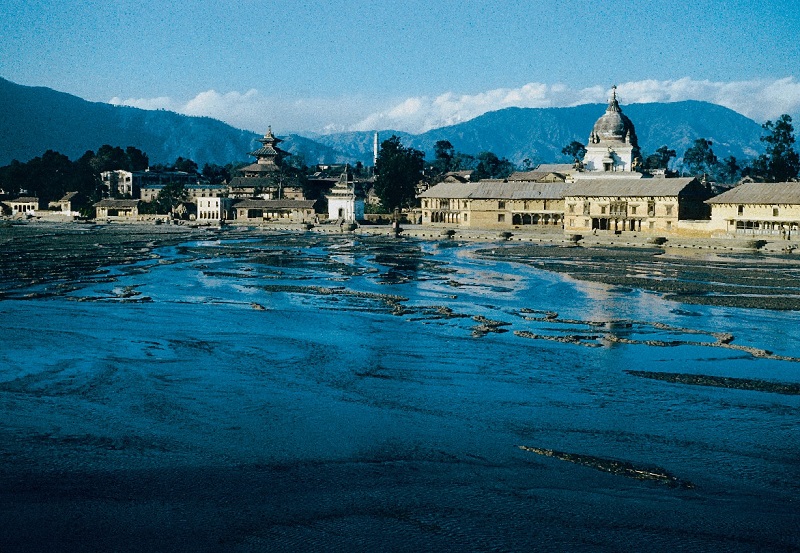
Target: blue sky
{"type": "Point", "coordinates": [406, 65]}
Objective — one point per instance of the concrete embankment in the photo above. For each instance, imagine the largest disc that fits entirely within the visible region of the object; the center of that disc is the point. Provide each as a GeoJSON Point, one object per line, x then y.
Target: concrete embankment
{"type": "Point", "coordinates": [672, 245]}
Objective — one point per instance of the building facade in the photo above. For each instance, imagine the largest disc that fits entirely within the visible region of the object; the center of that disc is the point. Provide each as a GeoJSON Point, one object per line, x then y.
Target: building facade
{"type": "Point", "coordinates": [150, 192]}
{"type": "Point", "coordinates": [125, 209]}
{"type": "Point", "coordinates": [757, 209]}
{"type": "Point", "coordinates": [134, 183]}
{"type": "Point", "coordinates": [494, 204]}
{"type": "Point", "coordinates": [344, 203]}
{"type": "Point", "coordinates": [23, 206]}
{"type": "Point", "coordinates": [261, 211]}
{"type": "Point", "coordinates": [214, 209]}
{"type": "Point", "coordinates": [654, 205]}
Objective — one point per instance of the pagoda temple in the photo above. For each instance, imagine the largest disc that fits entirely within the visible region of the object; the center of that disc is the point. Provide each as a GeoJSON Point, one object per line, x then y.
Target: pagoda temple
{"type": "Point", "coordinates": [269, 157]}
{"type": "Point", "coordinates": [265, 178]}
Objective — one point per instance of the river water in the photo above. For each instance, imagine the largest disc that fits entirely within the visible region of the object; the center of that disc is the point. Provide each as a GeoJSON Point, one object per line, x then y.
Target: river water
{"type": "Point", "coordinates": [283, 392]}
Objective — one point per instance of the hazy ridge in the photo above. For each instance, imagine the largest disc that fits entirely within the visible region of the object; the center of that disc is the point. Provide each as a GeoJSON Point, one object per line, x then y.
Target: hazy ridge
{"type": "Point", "coordinates": [35, 119]}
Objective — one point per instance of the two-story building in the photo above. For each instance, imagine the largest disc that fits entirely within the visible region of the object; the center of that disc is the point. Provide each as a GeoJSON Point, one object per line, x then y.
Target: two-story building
{"type": "Point", "coordinates": [214, 209]}
{"type": "Point", "coordinates": [757, 208]}
{"type": "Point", "coordinates": [494, 204]}
{"type": "Point", "coordinates": [654, 205]}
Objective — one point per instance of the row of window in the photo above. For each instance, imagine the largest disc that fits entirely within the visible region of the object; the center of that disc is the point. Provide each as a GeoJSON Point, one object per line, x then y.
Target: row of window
{"type": "Point", "coordinates": [611, 224]}
{"type": "Point", "coordinates": [622, 209]}
{"type": "Point", "coordinates": [775, 211]}
{"type": "Point", "coordinates": [445, 203]}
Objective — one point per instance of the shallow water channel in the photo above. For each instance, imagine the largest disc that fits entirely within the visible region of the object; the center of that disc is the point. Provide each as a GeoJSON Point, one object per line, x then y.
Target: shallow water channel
{"type": "Point", "coordinates": [301, 392]}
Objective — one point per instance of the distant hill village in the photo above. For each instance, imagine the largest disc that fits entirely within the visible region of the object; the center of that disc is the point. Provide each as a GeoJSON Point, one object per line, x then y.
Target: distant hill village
{"type": "Point", "coordinates": [606, 192]}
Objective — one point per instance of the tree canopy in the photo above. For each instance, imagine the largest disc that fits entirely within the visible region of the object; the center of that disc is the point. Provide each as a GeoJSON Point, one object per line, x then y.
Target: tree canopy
{"type": "Point", "coordinates": [780, 162]}
{"type": "Point", "coordinates": [660, 159]}
{"type": "Point", "coordinates": [50, 176]}
{"type": "Point", "coordinates": [112, 158]}
{"type": "Point", "coordinates": [492, 167]}
{"type": "Point", "coordinates": [700, 158]}
{"type": "Point", "coordinates": [398, 169]}
{"type": "Point", "coordinates": [575, 150]}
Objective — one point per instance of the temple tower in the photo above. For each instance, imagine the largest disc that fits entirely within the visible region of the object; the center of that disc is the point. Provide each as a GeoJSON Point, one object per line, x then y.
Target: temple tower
{"type": "Point", "coordinates": [613, 146]}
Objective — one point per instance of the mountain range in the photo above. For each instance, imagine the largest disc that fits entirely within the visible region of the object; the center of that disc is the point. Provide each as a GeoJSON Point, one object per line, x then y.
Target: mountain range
{"type": "Point", "coordinates": [35, 119]}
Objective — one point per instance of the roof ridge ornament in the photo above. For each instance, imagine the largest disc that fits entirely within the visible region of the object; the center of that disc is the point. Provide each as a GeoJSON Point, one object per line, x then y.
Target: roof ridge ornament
{"type": "Point", "coordinates": [613, 104]}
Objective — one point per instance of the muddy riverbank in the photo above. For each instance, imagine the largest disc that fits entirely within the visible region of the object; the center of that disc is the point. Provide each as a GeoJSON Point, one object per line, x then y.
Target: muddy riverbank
{"type": "Point", "coordinates": [177, 389]}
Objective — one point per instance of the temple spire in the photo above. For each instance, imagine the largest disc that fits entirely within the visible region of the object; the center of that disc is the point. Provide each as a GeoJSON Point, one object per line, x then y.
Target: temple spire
{"type": "Point", "coordinates": [613, 105]}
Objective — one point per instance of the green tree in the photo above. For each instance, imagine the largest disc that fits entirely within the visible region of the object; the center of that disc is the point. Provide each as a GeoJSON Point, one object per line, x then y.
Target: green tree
{"type": "Point", "coordinates": [660, 159]}
{"type": "Point", "coordinates": [700, 158]}
{"type": "Point", "coordinates": [185, 165]}
{"type": "Point", "coordinates": [492, 167]}
{"type": "Point", "coordinates": [13, 177]}
{"type": "Point", "coordinates": [464, 162]}
{"type": "Point", "coordinates": [137, 159]}
{"type": "Point", "coordinates": [575, 150]}
{"type": "Point", "coordinates": [444, 156]}
{"type": "Point", "coordinates": [51, 175]}
{"type": "Point", "coordinates": [729, 170]}
{"type": "Point", "coordinates": [780, 162]}
{"type": "Point", "coordinates": [398, 169]}
{"type": "Point", "coordinates": [110, 158]}
{"type": "Point", "coordinates": [170, 197]}
{"type": "Point", "coordinates": [216, 174]}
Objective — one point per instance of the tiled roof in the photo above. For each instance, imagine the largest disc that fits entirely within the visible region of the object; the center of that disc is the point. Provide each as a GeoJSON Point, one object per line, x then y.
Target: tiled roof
{"type": "Point", "coordinates": [497, 189]}
{"type": "Point", "coordinates": [117, 203]}
{"type": "Point", "coordinates": [533, 175]}
{"type": "Point", "coordinates": [259, 167]}
{"type": "Point", "coordinates": [24, 200]}
{"type": "Point", "coordinates": [275, 204]}
{"type": "Point", "coordinates": [555, 168]}
{"type": "Point", "coordinates": [760, 193]}
{"type": "Point", "coordinates": [265, 151]}
{"type": "Point", "coordinates": [250, 182]}
{"type": "Point", "coordinates": [630, 187]}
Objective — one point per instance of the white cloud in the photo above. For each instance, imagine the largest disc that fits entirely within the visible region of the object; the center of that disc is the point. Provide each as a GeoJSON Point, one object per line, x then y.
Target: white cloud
{"type": "Point", "coordinates": [758, 99]}
{"type": "Point", "coordinates": [255, 111]}
{"type": "Point", "coordinates": [162, 102]}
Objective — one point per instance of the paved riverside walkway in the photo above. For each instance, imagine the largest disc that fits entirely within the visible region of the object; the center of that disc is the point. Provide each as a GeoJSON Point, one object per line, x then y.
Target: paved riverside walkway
{"type": "Point", "coordinates": [556, 236]}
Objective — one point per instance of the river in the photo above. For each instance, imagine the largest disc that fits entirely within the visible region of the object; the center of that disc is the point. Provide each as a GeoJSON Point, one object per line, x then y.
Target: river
{"type": "Point", "coordinates": [284, 392]}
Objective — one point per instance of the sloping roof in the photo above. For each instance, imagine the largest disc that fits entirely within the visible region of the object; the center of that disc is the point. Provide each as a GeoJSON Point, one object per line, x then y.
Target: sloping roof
{"type": "Point", "coordinates": [497, 189]}
{"type": "Point", "coordinates": [630, 187]}
{"type": "Point", "coordinates": [68, 196]}
{"type": "Point", "coordinates": [117, 203]}
{"type": "Point", "coordinates": [533, 175]}
{"type": "Point", "coordinates": [455, 178]}
{"type": "Point", "coordinates": [24, 200]}
{"type": "Point", "coordinates": [555, 168]}
{"type": "Point", "coordinates": [260, 168]}
{"type": "Point", "coordinates": [275, 204]}
{"type": "Point", "coordinates": [265, 150]}
{"type": "Point", "coordinates": [760, 193]}
{"type": "Point", "coordinates": [250, 182]}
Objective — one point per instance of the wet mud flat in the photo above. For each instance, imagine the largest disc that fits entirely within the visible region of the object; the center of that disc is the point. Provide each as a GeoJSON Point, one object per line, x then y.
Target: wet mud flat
{"type": "Point", "coordinates": [49, 259]}
{"type": "Point", "coordinates": [731, 280]}
{"type": "Point", "coordinates": [291, 391]}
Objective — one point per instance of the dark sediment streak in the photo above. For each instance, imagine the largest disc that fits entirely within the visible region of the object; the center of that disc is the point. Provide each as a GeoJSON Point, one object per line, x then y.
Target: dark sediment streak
{"type": "Point", "coordinates": [621, 468]}
{"type": "Point", "coordinates": [745, 281]}
{"type": "Point", "coordinates": [722, 382]}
